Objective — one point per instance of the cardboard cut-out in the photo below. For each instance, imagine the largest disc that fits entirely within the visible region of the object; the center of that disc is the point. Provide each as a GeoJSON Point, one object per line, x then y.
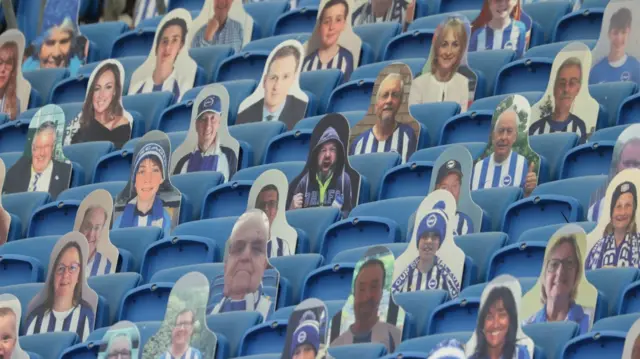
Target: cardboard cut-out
{"type": "Point", "coordinates": [373, 11]}
{"type": "Point", "coordinates": [631, 349]}
{"type": "Point", "coordinates": [562, 292]}
{"type": "Point", "coordinates": [66, 302]}
{"type": "Point", "coordinates": [149, 199]}
{"type": "Point", "coordinates": [448, 349]}
{"type": "Point", "coordinates": [615, 241]}
{"type": "Point", "coordinates": [616, 54]}
{"type": "Point", "coordinates": [501, 25]}
{"type": "Point", "coordinates": [370, 313]}
{"type": "Point", "coordinates": [15, 89]}
{"type": "Point", "coordinates": [327, 179]}
{"type": "Point", "coordinates": [42, 166]}
{"type": "Point", "coordinates": [249, 282]}
{"type": "Point", "coordinates": [508, 160]}
{"type": "Point", "coordinates": [453, 170]}
{"type": "Point", "coordinates": [169, 67]}
{"type": "Point", "coordinates": [93, 221]}
{"type": "Point", "coordinates": [567, 105]}
{"type": "Point", "coordinates": [498, 324]}
{"type": "Point", "coordinates": [333, 44]}
{"type": "Point", "coordinates": [5, 217]}
{"type": "Point", "coordinates": [278, 97]}
{"type": "Point", "coordinates": [59, 43]}
{"type": "Point", "coordinates": [146, 9]}
{"type": "Point", "coordinates": [269, 194]}
{"type": "Point", "coordinates": [10, 318]}
{"type": "Point", "coordinates": [626, 154]}
{"type": "Point", "coordinates": [208, 145]}
{"type": "Point", "coordinates": [103, 118]}
{"type": "Point", "coordinates": [447, 76]}
{"type": "Point", "coordinates": [307, 331]}
{"type": "Point", "coordinates": [184, 332]}
{"type": "Point", "coordinates": [122, 340]}
{"type": "Point", "coordinates": [221, 22]}
{"type": "Point", "coordinates": [388, 125]}
{"type": "Point", "coordinates": [432, 260]}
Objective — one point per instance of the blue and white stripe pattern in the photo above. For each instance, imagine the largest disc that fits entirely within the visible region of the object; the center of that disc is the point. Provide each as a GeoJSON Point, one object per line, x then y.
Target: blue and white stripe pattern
{"type": "Point", "coordinates": [510, 173]}
{"type": "Point", "coordinates": [402, 141]}
{"type": "Point", "coordinates": [512, 37]}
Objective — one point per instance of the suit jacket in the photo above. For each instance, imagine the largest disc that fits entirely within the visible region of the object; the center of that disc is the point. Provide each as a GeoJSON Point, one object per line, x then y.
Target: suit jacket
{"type": "Point", "coordinates": [19, 175]}
{"type": "Point", "coordinates": [294, 110]}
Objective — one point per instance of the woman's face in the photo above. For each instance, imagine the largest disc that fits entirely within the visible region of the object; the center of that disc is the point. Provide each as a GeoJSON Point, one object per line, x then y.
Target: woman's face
{"type": "Point", "coordinates": [496, 325]}
{"type": "Point", "coordinates": [561, 272]}
{"type": "Point", "coordinates": [449, 51]}
{"type": "Point", "coordinates": [6, 66]}
{"type": "Point", "coordinates": [501, 9]}
{"type": "Point", "coordinates": [623, 212]}
{"type": "Point", "coordinates": [67, 273]}
{"type": "Point", "coordinates": [148, 180]}
{"type": "Point", "coordinates": [104, 91]}
{"type": "Point", "coordinates": [333, 21]}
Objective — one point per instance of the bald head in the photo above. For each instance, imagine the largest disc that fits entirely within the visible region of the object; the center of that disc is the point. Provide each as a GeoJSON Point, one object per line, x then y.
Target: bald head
{"type": "Point", "coordinates": [505, 134]}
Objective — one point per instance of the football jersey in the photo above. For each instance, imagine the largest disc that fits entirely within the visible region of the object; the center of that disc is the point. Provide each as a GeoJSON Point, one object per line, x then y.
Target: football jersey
{"type": "Point", "coordinates": [512, 172]}
{"type": "Point", "coordinates": [628, 69]}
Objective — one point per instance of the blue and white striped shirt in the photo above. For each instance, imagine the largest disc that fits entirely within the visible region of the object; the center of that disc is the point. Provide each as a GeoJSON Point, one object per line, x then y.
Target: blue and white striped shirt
{"type": "Point", "coordinates": [465, 225]}
{"type": "Point", "coordinates": [79, 319]}
{"type": "Point", "coordinates": [512, 37]}
{"type": "Point", "coordinates": [191, 353]}
{"type": "Point", "coordinates": [402, 141]}
{"type": "Point", "coordinates": [230, 34]}
{"type": "Point", "coordinates": [100, 265]}
{"type": "Point", "coordinates": [146, 9]}
{"type": "Point", "coordinates": [277, 247]}
{"type": "Point", "coordinates": [343, 61]}
{"type": "Point", "coordinates": [510, 173]}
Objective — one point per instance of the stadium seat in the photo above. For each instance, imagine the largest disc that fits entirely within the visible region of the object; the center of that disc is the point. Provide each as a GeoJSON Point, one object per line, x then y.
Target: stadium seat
{"type": "Point", "coordinates": [587, 160]}
{"type": "Point", "coordinates": [55, 218]}
{"type": "Point", "coordinates": [329, 282]}
{"type": "Point", "coordinates": [419, 348]}
{"type": "Point", "coordinates": [264, 15]}
{"type": "Point", "coordinates": [270, 43]}
{"type": "Point", "coordinates": [38, 248]}
{"type": "Point", "coordinates": [23, 292]}
{"type": "Point", "coordinates": [420, 305]}
{"type": "Point", "coordinates": [178, 251]}
{"type": "Point", "coordinates": [70, 90]}
{"type": "Point", "coordinates": [233, 326]}
{"type": "Point", "coordinates": [129, 64]}
{"type": "Point", "coordinates": [615, 290]}
{"type": "Point", "coordinates": [225, 200]}
{"type": "Point", "coordinates": [103, 34]}
{"type": "Point", "coordinates": [257, 135]}
{"type": "Point", "coordinates": [268, 337]}
{"type": "Point", "coordinates": [310, 122]}
{"type": "Point", "coordinates": [194, 186]}
{"type": "Point", "coordinates": [606, 344]}
{"type": "Point", "coordinates": [583, 24]}
{"type": "Point", "coordinates": [295, 269]}
{"type": "Point", "coordinates": [553, 147]}
{"type": "Point", "coordinates": [145, 303]}
{"type": "Point", "coordinates": [351, 96]}
{"type": "Point", "coordinates": [608, 134]}
{"type": "Point", "coordinates": [372, 167]}
{"type": "Point", "coordinates": [544, 233]}
{"type": "Point", "coordinates": [629, 110]}
{"type": "Point", "coordinates": [467, 127]}
{"type": "Point", "coordinates": [321, 84]}
{"type": "Point", "coordinates": [13, 135]}
{"type": "Point", "coordinates": [137, 42]}
{"type": "Point", "coordinates": [87, 349]}
{"type": "Point", "coordinates": [411, 44]}
{"type": "Point", "coordinates": [371, 71]}
{"type": "Point", "coordinates": [314, 222]}
{"type": "Point", "coordinates": [551, 50]}
{"type": "Point", "coordinates": [481, 247]}
{"type": "Point", "coordinates": [433, 116]}
{"type": "Point", "coordinates": [431, 22]}
{"type": "Point", "coordinates": [87, 154]}
{"type": "Point", "coordinates": [491, 103]}
{"type": "Point", "coordinates": [43, 81]}
{"type": "Point", "coordinates": [546, 15]}
{"type": "Point", "coordinates": [209, 58]}
{"type": "Point", "coordinates": [79, 193]}
{"type": "Point", "coordinates": [611, 96]}
{"type": "Point", "coordinates": [135, 240]}
{"type": "Point", "coordinates": [580, 188]}
{"type": "Point", "coordinates": [456, 315]}
{"type": "Point", "coordinates": [246, 65]}
{"type": "Point", "coordinates": [551, 336]}
{"type": "Point", "coordinates": [289, 146]}
{"type": "Point", "coordinates": [290, 169]}
{"type": "Point", "coordinates": [112, 288]}
{"type": "Point", "coordinates": [531, 74]}
{"type": "Point", "coordinates": [519, 260]}
{"type": "Point", "coordinates": [377, 35]}
{"type": "Point", "coordinates": [409, 179]}
{"type": "Point", "coordinates": [489, 63]}
{"type": "Point", "coordinates": [353, 255]}
{"type": "Point", "coordinates": [10, 158]}
{"type": "Point", "coordinates": [172, 275]}
{"type": "Point", "coordinates": [48, 345]}
{"type": "Point", "coordinates": [444, 6]}
{"type": "Point", "coordinates": [202, 228]}
{"type": "Point", "coordinates": [365, 350]}
{"type": "Point", "coordinates": [301, 20]}
{"type": "Point", "coordinates": [23, 205]}
{"type": "Point", "coordinates": [19, 269]}
{"type": "Point", "coordinates": [495, 201]}
{"type": "Point", "coordinates": [617, 322]}
{"type": "Point", "coordinates": [526, 283]}
{"type": "Point", "coordinates": [114, 166]}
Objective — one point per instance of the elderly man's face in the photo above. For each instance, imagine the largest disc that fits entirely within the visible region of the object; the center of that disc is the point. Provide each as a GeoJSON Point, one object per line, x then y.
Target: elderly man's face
{"type": "Point", "coordinates": [505, 134]}
{"type": "Point", "coordinates": [245, 263]}
{"type": "Point", "coordinates": [119, 349]}
{"type": "Point", "coordinates": [54, 51]}
{"type": "Point", "coordinates": [388, 102]}
{"type": "Point", "coordinates": [630, 156]}
{"type": "Point", "coordinates": [92, 226]}
{"type": "Point", "coordinates": [207, 127]}
{"type": "Point", "coordinates": [567, 87]}
{"type": "Point", "coordinates": [42, 150]}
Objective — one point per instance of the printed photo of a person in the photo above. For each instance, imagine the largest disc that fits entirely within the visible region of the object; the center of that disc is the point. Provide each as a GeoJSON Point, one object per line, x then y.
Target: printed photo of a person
{"type": "Point", "coordinates": [499, 26]}
{"type": "Point", "coordinates": [560, 280]}
{"type": "Point", "coordinates": [220, 29]}
{"type": "Point", "coordinates": [448, 349]}
{"type": "Point", "coordinates": [65, 307]}
{"type": "Point", "coordinates": [567, 86]}
{"type": "Point", "coordinates": [120, 347]}
{"type": "Point", "coordinates": [9, 68]}
{"type": "Point", "coordinates": [144, 206]}
{"type": "Point", "coordinates": [375, 11]}
{"type": "Point", "coordinates": [94, 224]}
{"type": "Point", "coordinates": [209, 154]}
{"type": "Point", "coordinates": [181, 333]}
{"type": "Point", "coordinates": [497, 327]}
{"type": "Point", "coordinates": [450, 179]}
{"type": "Point", "coordinates": [367, 290]}
{"type": "Point", "coordinates": [244, 266]}
{"type": "Point", "coordinates": [617, 65]}
{"type": "Point", "coordinates": [332, 22]}
{"type": "Point", "coordinates": [278, 81]}
{"type": "Point", "coordinates": [9, 323]}
{"type": "Point", "coordinates": [305, 343]}
{"type": "Point", "coordinates": [267, 201]}
{"type": "Point", "coordinates": [428, 271]}
{"type": "Point", "coordinates": [326, 182]}
{"type": "Point", "coordinates": [169, 42]}
{"type": "Point", "coordinates": [440, 80]}
{"type": "Point", "coordinates": [620, 244]}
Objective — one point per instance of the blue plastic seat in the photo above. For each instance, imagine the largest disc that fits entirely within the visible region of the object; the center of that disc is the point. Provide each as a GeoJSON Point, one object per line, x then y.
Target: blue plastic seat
{"type": "Point", "coordinates": [553, 147]}
{"type": "Point", "coordinates": [551, 336]}
{"type": "Point", "coordinates": [431, 154]}
{"type": "Point", "coordinates": [233, 325]}
{"type": "Point", "coordinates": [443, 6]}
{"type": "Point", "coordinates": [295, 269]}
{"type": "Point", "coordinates": [265, 338]}
{"type": "Point", "coordinates": [526, 283]}
{"type": "Point", "coordinates": [43, 81]}
{"type": "Point", "coordinates": [19, 269]}
{"type": "Point", "coordinates": [531, 74]}
{"type": "Point", "coordinates": [544, 233]}
{"type": "Point", "coordinates": [103, 34]}
{"type": "Point", "coordinates": [456, 315]}
{"type": "Point", "coordinates": [112, 288]}
{"type": "Point", "coordinates": [411, 44]}
{"type": "Point", "coordinates": [23, 205]}
{"type": "Point", "coordinates": [246, 65]}
{"type": "Point", "coordinates": [194, 186]}
{"type": "Point", "coordinates": [480, 247]}
{"type": "Point", "coordinates": [290, 169]}
{"type": "Point", "coordinates": [419, 348]}
{"type": "Point", "coordinates": [519, 260]}
{"type": "Point", "coordinates": [135, 240]}
{"type": "Point", "coordinates": [433, 116]}
{"type": "Point", "coordinates": [172, 275]}
{"type": "Point", "coordinates": [580, 188]}
{"type": "Point", "coordinates": [289, 146]}
{"type": "Point", "coordinates": [421, 305]}
{"type": "Point", "coordinates": [608, 134]}
{"type": "Point", "coordinates": [321, 84]}
{"type": "Point", "coordinates": [137, 42]}
{"type": "Point", "coordinates": [10, 158]}
{"type": "Point", "coordinates": [178, 251]}
{"type": "Point", "coordinates": [13, 135]}
{"type": "Point", "coordinates": [148, 105]}
{"type": "Point", "coordinates": [38, 248]}
{"type": "Point", "coordinates": [467, 127]}
{"type": "Point", "coordinates": [203, 228]}
{"type": "Point", "coordinates": [495, 201]}
{"type": "Point", "coordinates": [489, 63]}
{"type": "Point", "coordinates": [24, 293]}
{"type": "Point", "coordinates": [432, 21]}
{"type": "Point", "coordinates": [257, 135]}
{"type": "Point", "coordinates": [606, 344]}
{"type": "Point", "coordinates": [329, 282]}
{"type": "Point", "coordinates": [586, 160]}
{"type": "Point", "coordinates": [614, 282]}
{"type": "Point", "coordinates": [264, 15]}
{"type": "Point", "coordinates": [583, 24]}
{"type": "Point", "coordinates": [129, 64]}
{"type": "Point", "coordinates": [353, 255]}
{"type": "Point", "coordinates": [209, 58]}
{"type": "Point", "coordinates": [114, 166]}
{"type": "Point", "coordinates": [375, 37]}
{"type": "Point", "coordinates": [310, 122]}
{"type": "Point", "coordinates": [371, 71]}
{"type": "Point", "coordinates": [373, 167]}
{"type": "Point", "coordinates": [48, 345]}
{"type": "Point", "coordinates": [365, 350]}
{"type": "Point", "coordinates": [314, 222]}
{"type": "Point", "coordinates": [79, 193]}
{"type": "Point", "coordinates": [491, 103]}
{"type": "Point", "coordinates": [55, 218]}
{"type": "Point", "coordinates": [617, 322]}
{"type": "Point", "coordinates": [551, 50]}
{"type": "Point", "coordinates": [225, 200]}
{"type": "Point", "coordinates": [629, 110]}
{"type": "Point", "coordinates": [301, 20]}
{"type": "Point", "coordinates": [611, 97]}
{"type": "Point", "coordinates": [351, 96]}
{"type": "Point", "coordinates": [145, 303]}
{"type": "Point", "coordinates": [87, 154]}
{"type": "Point", "coordinates": [87, 349]}
{"type": "Point", "coordinates": [406, 180]}
{"type": "Point", "coordinates": [270, 43]}
{"type": "Point", "coordinates": [545, 15]}
{"type": "Point", "coordinates": [70, 90]}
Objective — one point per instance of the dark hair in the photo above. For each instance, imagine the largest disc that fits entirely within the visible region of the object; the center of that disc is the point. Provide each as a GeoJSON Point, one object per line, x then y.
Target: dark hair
{"type": "Point", "coordinates": [621, 19]}
{"type": "Point", "coordinates": [369, 263]}
{"type": "Point", "coordinates": [185, 311]}
{"type": "Point", "coordinates": [114, 107]}
{"type": "Point", "coordinates": [77, 291]}
{"type": "Point", "coordinates": [176, 21]}
{"type": "Point", "coordinates": [269, 187]}
{"type": "Point", "coordinates": [11, 98]}
{"type": "Point", "coordinates": [509, 302]}
{"type": "Point", "coordinates": [286, 51]}
{"type": "Point", "coordinates": [332, 3]}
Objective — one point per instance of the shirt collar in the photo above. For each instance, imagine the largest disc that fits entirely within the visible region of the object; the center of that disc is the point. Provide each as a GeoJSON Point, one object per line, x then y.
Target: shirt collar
{"type": "Point", "coordinates": [275, 114]}
{"type": "Point", "coordinates": [46, 171]}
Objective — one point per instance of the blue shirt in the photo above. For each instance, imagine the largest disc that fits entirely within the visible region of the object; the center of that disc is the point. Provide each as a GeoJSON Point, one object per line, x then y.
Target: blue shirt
{"type": "Point", "coordinates": [230, 34]}
{"type": "Point", "coordinates": [512, 37]}
{"type": "Point", "coordinates": [603, 71]}
{"type": "Point", "coordinates": [576, 314]}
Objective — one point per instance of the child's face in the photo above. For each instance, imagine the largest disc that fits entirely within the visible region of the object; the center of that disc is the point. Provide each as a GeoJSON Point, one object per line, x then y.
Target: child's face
{"type": "Point", "coordinates": [618, 39]}
{"type": "Point", "coordinates": [7, 336]}
{"type": "Point", "coordinates": [502, 8]}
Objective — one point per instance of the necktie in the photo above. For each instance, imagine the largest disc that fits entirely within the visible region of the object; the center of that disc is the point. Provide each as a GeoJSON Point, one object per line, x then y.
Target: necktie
{"type": "Point", "coordinates": [35, 182]}
{"type": "Point", "coordinates": [269, 117]}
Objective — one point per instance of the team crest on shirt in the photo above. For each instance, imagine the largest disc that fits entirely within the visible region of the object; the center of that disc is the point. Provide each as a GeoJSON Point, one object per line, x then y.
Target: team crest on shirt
{"type": "Point", "coordinates": [506, 181]}
{"type": "Point", "coordinates": [433, 283]}
{"type": "Point", "coordinates": [626, 76]}
{"type": "Point", "coordinates": [509, 45]}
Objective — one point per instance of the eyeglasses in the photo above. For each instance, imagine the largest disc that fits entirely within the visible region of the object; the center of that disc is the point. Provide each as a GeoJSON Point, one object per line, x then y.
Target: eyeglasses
{"type": "Point", "coordinates": [183, 325]}
{"type": "Point", "coordinates": [72, 269]}
{"type": "Point", "coordinates": [567, 264]}
{"type": "Point", "coordinates": [124, 354]}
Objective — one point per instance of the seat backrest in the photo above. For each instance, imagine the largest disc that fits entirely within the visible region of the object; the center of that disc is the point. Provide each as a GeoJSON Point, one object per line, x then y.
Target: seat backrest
{"type": "Point", "coordinates": [112, 288]}
{"type": "Point", "coordinates": [133, 43]}
{"type": "Point", "coordinates": [145, 303]}
{"type": "Point", "coordinates": [264, 14]}
{"type": "Point", "coordinates": [55, 218]}
{"type": "Point", "coordinates": [579, 25]}
{"type": "Point", "coordinates": [331, 282]}
{"type": "Point", "coordinates": [300, 20]}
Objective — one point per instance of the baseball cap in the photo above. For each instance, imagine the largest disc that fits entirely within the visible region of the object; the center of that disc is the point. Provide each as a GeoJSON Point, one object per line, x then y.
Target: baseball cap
{"type": "Point", "coordinates": [211, 103]}
{"type": "Point", "coordinates": [451, 166]}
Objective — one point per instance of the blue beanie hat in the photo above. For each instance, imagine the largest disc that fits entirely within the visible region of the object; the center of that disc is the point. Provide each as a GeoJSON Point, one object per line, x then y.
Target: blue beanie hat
{"type": "Point", "coordinates": [307, 332]}
{"type": "Point", "coordinates": [434, 222]}
{"type": "Point", "coordinates": [448, 349]}
{"type": "Point", "coordinates": [150, 150]}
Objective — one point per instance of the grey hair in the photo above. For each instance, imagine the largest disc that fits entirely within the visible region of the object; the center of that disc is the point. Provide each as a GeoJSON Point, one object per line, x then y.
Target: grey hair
{"type": "Point", "coordinates": [501, 116]}
{"type": "Point", "coordinates": [392, 76]}
{"type": "Point", "coordinates": [255, 219]}
{"type": "Point", "coordinates": [572, 61]}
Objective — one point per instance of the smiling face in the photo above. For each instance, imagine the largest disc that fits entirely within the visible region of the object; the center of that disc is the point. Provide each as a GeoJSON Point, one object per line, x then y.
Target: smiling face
{"type": "Point", "coordinates": [368, 291]}
{"type": "Point", "coordinates": [119, 348]}
{"type": "Point", "coordinates": [169, 46]}
{"type": "Point", "coordinates": [451, 183]}
{"type": "Point", "coordinates": [268, 203]}
{"type": "Point", "coordinates": [388, 100]}
{"type": "Point", "coordinates": [618, 39]}
{"type": "Point", "coordinates": [561, 273]}
{"type": "Point", "coordinates": [183, 329]}
{"type": "Point", "coordinates": [629, 156]}
{"type": "Point", "coordinates": [278, 81]}
{"type": "Point", "coordinates": [327, 156]}
{"type": "Point", "coordinates": [148, 180]}
{"type": "Point", "coordinates": [67, 274]}
{"type": "Point", "coordinates": [623, 212]}
{"type": "Point", "coordinates": [54, 51]}
{"type": "Point", "coordinates": [207, 127]}
{"type": "Point", "coordinates": [501, 9]}
{"type": "Point", "coordinates": [567, 87]}
{"type": "Point", "coordinates": [42, 150]}
{"type": "Point", "coordinates": [332, 24]}
{"type": "Point", "coordinates": [449, 51]}
{"type": "Point", "coordinates": [496, 325]}
{"type": "Point", "coordinates": [504, 135]}
{"type": "Point", "coordinates": [245, 262]}
{"type": "Point", "coordinates": [92, 226]}
{"type": "Point", "coordinates": [7, 59]}
{"type": "Point", "coordinates": [104, 91]}
{"type": "Point", "coordinates": [428, 245]}
{"type": "Point", "coordinates": [8, 335]}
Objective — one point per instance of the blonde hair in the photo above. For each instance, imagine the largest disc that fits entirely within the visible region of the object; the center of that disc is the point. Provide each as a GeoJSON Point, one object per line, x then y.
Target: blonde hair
{"type": "Point", "coordinates": [571, 240]}
{"type": "Point", "coordinates": [458, 27]}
